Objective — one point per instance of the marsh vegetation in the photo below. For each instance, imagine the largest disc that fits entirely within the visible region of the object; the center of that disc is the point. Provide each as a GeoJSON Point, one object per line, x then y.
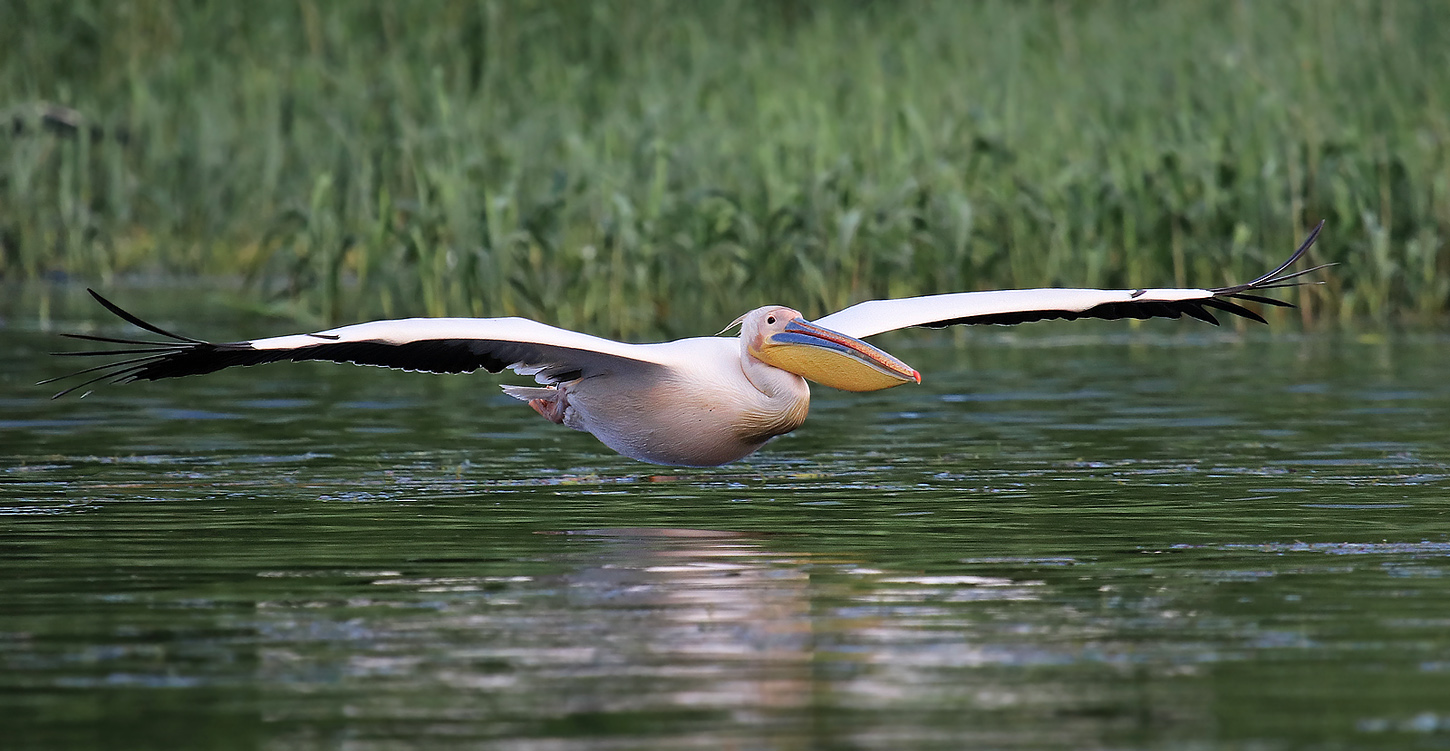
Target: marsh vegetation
{"type": "Point", "coordinates": [656, 167]}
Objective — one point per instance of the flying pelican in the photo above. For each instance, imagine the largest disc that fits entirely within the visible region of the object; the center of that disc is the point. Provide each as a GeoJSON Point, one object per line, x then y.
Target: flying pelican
{"type": "Point", "coordinates": [698, 402]}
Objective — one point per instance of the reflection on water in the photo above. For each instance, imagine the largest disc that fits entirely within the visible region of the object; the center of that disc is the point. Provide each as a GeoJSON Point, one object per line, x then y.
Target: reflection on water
{"type": "Point", "coordinates": [682, 625]}
{"type": "Point", "coordinates": [1127, 538]}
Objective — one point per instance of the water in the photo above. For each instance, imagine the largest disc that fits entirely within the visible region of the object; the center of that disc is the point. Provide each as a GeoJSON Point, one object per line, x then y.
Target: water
{"type": "Point", "coordinates": [1070, 536]}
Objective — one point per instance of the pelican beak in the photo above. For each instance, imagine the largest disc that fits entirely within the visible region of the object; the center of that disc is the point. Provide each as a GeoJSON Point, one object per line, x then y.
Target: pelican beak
{"type": "Point", "coordinates": [833, 359]}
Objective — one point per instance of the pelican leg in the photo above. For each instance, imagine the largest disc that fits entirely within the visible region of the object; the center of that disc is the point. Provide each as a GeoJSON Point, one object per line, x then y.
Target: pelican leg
{"type": "Point", "coordinates": [551, 408]}
{"type": "Point", "coordinates": [551, 402]}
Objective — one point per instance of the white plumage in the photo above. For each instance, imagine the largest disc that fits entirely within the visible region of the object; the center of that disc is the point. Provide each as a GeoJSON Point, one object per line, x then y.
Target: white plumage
{"type": "Point", "coordinates": [698, 402]}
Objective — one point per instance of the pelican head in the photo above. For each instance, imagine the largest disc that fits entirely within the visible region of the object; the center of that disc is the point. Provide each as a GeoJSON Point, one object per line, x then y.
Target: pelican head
{"type": "Point", "coordinates": [782, 338]}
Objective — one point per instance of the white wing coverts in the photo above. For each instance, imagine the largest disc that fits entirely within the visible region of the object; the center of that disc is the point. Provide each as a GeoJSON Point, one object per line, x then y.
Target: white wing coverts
{"type": "Point", "coordinates": [1022, 305]}
{"type": "Point", "coordinates": [434, 345]}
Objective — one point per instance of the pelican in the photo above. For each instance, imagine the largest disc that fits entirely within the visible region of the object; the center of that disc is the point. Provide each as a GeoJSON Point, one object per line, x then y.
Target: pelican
{"type": "Point", "coordinates": [700, 402]}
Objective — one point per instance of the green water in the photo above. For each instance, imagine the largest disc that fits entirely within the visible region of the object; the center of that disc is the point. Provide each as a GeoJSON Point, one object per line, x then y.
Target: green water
{"type": "Point", "coordinates": [1069, 536]}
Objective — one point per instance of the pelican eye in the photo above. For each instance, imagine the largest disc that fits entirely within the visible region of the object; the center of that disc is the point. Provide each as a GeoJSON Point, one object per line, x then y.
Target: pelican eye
{"type": "Point", "coordinates": [771, 319]}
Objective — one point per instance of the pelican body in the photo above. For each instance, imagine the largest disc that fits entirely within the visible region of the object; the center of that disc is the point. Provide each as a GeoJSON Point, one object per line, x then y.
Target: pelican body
{"type": "Point", "coordinates": [702, 401]}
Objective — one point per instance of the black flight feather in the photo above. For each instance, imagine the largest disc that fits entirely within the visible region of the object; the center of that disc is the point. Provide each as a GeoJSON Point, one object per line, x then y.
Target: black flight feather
{"type": "Point", "coordinates": [186, 356]}
{"type": "Point", "coordinates": [1144, 309]}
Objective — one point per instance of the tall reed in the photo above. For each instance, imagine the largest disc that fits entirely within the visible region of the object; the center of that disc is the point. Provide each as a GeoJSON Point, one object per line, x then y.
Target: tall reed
{"type": "Point", "coordinates": [645, 167]}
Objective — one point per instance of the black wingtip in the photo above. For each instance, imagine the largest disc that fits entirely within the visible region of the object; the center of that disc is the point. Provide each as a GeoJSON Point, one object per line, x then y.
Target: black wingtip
{"type": "Point", "coordinates": [137, 322]}
{"type": "Point", "coordinates": [1236, 309]}
{"type": "Point", "coordinates": [1273, 276]}
{"type": "Point", "coordinates": [151, 353]}
{"type": "Point", "coordinates": [1197, 311]}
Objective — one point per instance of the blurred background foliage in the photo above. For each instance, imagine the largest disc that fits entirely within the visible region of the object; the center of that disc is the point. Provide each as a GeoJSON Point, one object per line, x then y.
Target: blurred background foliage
{"type": "Point", "coordinates": [644, 167]}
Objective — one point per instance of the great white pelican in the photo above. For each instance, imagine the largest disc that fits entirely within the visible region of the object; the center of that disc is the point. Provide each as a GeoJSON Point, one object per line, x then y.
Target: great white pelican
{"type": "Point", "coordinates": [703, 401]}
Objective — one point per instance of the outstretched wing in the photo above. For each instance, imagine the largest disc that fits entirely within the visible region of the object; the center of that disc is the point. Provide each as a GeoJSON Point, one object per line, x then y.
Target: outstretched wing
{"type": "Point", "coordinates": [1023, 305]}
{"type": "Point", "coordinates": [434, 345]}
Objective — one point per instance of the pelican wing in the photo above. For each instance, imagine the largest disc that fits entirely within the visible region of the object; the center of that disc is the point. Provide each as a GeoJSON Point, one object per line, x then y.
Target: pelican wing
{"type": "Point", "coordinates": [434, 345]}
{"type": "Point", "coordinates": [1023, 305]}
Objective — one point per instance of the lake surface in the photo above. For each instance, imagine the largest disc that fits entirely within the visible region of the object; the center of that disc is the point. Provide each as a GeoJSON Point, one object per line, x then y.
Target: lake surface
{"type": "Point", "coordinates": [1069, 536]}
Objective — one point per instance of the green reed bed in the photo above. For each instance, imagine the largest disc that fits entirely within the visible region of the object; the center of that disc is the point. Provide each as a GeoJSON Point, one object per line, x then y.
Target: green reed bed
{"type": "Point", "coordinates": [657, 167]}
